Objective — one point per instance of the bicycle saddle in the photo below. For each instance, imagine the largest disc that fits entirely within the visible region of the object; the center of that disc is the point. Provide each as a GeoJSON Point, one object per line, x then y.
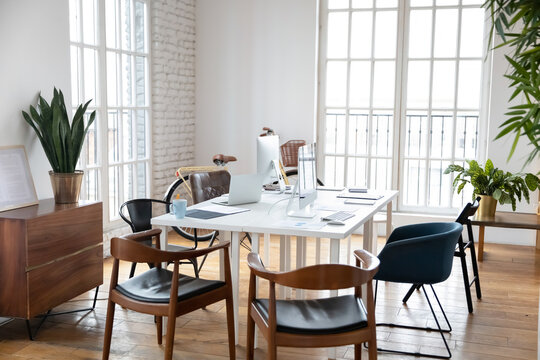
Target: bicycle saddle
{"type": "Point", "coordinates": [220, 159]}
{"type": "Point", "coordinates": [267, 131]}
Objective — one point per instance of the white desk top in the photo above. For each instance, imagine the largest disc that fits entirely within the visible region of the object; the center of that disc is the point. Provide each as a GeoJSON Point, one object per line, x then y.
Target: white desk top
{"type": "Point", "coordinates": [269, 215]}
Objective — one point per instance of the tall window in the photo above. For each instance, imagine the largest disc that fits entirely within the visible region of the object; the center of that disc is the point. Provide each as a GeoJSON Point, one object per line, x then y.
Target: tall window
{"type": "Point", "coordinates": [400, 95]}
{"type": "Point", "coordinates": [109, 64]}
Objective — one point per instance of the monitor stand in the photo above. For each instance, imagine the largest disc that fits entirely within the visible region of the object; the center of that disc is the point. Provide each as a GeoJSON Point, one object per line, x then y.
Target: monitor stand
{"type": "Point", "coordinates": [293, 206]}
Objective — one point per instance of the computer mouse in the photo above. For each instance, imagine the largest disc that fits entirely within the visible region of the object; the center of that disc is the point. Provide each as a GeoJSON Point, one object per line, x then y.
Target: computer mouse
{"type": "Point", "coordinates": [335, 222]}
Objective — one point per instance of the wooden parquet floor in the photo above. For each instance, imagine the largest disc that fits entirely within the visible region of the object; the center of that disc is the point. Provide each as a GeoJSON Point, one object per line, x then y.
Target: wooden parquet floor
{"type": "Point", "coordinates": [504, 324]}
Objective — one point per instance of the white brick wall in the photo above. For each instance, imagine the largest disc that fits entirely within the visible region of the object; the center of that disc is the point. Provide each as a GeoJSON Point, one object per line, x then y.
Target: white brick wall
{"type": "Point", "coordinates": [173, 89]}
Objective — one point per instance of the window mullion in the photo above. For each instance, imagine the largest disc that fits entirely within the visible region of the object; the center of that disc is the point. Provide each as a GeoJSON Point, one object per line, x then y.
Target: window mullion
{"type": "Point", "coordinates": [370, 112]}
{"type": "Point", "coordinates": [347, 100]}
{"type": "Point", "coordinates": [103, 130]}
{"type": "Point", "coordinates": [400, 96]}
{"type": "Point", "coordinates": [454, 113]}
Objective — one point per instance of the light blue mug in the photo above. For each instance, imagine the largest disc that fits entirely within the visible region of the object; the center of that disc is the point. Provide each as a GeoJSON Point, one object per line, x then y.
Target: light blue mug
{"type": "Point", "coordinates": [178, 208]}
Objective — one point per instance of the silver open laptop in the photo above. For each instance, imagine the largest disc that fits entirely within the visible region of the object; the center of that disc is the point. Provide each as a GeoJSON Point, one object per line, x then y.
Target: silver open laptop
{"type": "Point", "coordinates": [244, 189]}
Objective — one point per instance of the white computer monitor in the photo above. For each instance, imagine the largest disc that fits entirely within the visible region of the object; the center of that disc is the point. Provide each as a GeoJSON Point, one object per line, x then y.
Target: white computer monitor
{"type": "Point", "coordinates": [268, 159]}
{"type": "Point", "coordinates": [305, 190]}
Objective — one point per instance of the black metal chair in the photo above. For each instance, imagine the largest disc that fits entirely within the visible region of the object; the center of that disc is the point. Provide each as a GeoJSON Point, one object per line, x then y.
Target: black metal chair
{"type": "Point", "coordinates": [420, 254]}
{"type": "Point", "coordinates": [464, 219]}
{"type": "Point", "coordinates": [140, 213]}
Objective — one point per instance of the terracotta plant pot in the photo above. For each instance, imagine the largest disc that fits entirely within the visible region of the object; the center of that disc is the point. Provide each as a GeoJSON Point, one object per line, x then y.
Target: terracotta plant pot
{"type": "Point", "coordinates": [488, 206]}
{"type": "Point", "coordinates": [66, 186]}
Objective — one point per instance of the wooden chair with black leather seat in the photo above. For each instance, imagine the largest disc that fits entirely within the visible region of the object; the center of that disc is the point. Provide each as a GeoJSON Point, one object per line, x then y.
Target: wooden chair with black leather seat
{"type": "Point", "coordinates": [161, 292]}
{"type": "Point", "coordinates": [327, 322]}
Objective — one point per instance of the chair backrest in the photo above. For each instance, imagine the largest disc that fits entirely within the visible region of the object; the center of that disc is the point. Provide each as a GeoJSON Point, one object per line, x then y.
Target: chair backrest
{"type": "Point", "coordinates": [468, 211]}
{"type": "Point", "coordinates": [320, 277]}
{"type": "Point", "coordinates": [140, 213]}
{"type": "Point", "coordinates": [209, 185]}
{"type": "Point", "coordinates": [132, 248]}
{"type": "Point", "coordinates": [419, 253]}
{"type": "Point", "coordinates": [289, 152]}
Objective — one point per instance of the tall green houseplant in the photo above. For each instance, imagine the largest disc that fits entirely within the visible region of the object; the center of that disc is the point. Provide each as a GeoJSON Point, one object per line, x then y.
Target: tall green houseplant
{"type": "Point", "coordinates": [62, 141]}
{"type": "Point", "coordinates": [517, 22]}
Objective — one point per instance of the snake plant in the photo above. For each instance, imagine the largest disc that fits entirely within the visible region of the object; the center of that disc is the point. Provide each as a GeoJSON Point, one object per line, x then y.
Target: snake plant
{"type": "Point", "coordinates": [61, 141]}
{"type": "Point", "coordinates": [504, 186]}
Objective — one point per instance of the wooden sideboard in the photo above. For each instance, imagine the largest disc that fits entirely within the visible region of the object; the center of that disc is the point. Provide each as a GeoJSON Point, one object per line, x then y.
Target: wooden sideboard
{"type": "Point", "coordinates": [49, 253]}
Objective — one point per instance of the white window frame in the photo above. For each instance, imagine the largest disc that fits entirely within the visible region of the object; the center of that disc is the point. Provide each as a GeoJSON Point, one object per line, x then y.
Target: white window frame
{"type": "Point", "coordinates": [101, 123]}
{"type": "Point", "coordinates": [399, 136]}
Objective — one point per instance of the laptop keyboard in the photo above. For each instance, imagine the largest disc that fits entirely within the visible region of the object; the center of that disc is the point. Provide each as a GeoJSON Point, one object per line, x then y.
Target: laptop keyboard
{"type": "Point", "coordinates": [338, 216]}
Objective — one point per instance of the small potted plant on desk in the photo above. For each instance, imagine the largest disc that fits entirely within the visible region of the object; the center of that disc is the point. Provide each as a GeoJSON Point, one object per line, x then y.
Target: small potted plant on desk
{"type": "Point", "coordinates": [62, 143]}
{"type": "Point", "coordinates": [493, 185]}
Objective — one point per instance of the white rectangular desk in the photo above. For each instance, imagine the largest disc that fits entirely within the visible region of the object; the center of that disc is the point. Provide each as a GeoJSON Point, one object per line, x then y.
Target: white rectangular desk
{"type": "Point", "coordinates": [265, 217]}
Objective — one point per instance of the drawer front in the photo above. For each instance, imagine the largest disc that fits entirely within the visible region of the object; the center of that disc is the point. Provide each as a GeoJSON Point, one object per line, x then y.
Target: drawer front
{"type": "Point", "coordinates": [60, 281]}
{"type": "Point", "coordinates": [63, 233]}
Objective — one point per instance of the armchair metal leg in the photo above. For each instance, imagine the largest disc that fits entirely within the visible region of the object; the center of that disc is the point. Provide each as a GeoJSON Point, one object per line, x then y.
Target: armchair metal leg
{"type": "Point", "coordinates": [410, 292]}
{"type": "Point", "coordinates": [439, 329]}
{"type": "Point", "coordinates": [243, 243]}
{"type": "Point", "coordinates": [132, 271]}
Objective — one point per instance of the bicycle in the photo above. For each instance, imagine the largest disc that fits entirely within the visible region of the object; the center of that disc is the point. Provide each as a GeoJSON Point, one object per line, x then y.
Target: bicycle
{"type": "Point", "coordinates": [181, 188]}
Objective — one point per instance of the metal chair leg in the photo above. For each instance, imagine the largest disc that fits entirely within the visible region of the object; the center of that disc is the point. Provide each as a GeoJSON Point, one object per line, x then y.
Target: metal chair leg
{"type": "Point", "coordinates": [474, 261]}
{"type": "Point", "coordinates": [132, 271]}
{"type": "Point", "coordinates": [439, 329]}
{"type": "Point", "coordinates": [410, 292]}
{"type": "Point", "coordinates": [465, 272]}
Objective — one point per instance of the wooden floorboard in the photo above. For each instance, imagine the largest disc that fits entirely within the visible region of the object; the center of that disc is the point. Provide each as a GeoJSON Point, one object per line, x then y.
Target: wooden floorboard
{"type": "Point", "coordinates": [504, 324]}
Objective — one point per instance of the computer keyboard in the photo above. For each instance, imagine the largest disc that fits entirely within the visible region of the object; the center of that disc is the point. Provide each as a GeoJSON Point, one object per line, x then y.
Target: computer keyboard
{"type": "Point", "coordinates": [338, 216]}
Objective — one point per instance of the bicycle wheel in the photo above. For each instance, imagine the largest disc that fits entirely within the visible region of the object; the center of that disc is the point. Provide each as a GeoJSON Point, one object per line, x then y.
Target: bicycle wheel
{"type": "Point", "coordinates": [181, 188]}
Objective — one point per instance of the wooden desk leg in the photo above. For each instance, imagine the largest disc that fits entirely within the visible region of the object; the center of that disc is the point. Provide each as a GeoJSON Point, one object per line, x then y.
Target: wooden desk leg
{"type": "Point", "coordinates": [481, 230]}
{"type": "Point", "coordinates": [235, 273]}
{"type": "Point", "coordinates": [538, 239]}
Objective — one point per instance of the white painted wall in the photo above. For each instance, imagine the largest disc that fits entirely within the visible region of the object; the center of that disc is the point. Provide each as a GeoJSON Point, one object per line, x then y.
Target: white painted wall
{"type": "Point", "coordinates": [35, 57]}
{"type": "Point", "coordinates": [255, 67]}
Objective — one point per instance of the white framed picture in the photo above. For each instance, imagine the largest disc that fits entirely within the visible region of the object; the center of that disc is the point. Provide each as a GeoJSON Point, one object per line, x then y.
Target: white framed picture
{"type": "Point", "coordinates": [16, 183]}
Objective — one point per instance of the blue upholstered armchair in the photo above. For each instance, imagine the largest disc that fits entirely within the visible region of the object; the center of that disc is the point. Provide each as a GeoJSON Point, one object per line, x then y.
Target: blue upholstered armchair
{"type": "Point", "coordinates": [420, 254]}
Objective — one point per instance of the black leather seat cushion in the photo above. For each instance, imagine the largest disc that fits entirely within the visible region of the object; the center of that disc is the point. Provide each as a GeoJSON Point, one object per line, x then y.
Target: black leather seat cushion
{"type": "Point", "coordinates": [154, 286]}
{"type": "Point", "coordinates": [321, 316]}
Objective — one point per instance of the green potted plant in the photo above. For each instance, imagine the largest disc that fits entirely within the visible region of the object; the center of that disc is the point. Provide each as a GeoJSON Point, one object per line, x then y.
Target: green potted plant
{"type": "Point", "coordinates": [62, 142]}
{"type": "Point", "coordinates": [493, 185]}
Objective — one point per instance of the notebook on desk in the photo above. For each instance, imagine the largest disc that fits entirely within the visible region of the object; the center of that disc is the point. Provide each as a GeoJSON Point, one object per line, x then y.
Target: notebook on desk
{"type": "Point", "coordinates": [358, 195]}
